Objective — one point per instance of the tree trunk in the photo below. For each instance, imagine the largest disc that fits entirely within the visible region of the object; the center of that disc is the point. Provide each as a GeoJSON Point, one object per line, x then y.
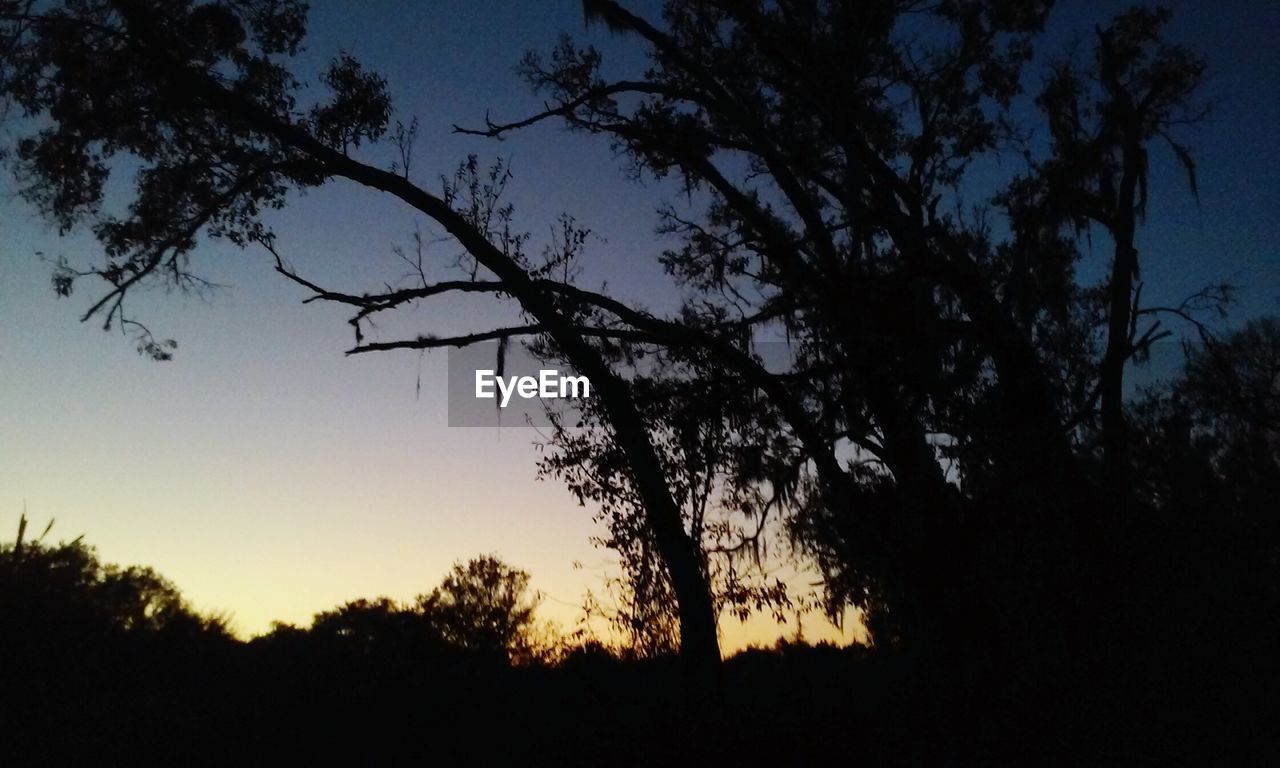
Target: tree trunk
{"type": "Point", "coordinates": [699, 638]}
{"type": "Point", "coordinates": [1115, 428]}
{"type": "Point", "coordinates": [1124, 269]}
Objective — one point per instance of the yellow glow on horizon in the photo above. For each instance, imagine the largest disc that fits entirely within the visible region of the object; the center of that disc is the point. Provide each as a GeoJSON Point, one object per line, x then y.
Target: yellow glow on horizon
{"type": "Point", "coordinates": [263, 495]}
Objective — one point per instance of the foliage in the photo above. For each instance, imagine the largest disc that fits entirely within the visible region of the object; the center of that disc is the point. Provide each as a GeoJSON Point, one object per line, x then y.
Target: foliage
{"type": "Point", "coordinates": [376, 629]}
{"type": "Point", "coordinates": [483, 606]}
{"type": "Point", "coordinates": [1208, 447]}
{"type": "Point", "coordinates": [481, 610]}
{"type": "Point", "coordinates": [64, 589]}
{"type": "Point", "coordinates": [931, 439]}
{"type": "Point", "coordinates": [200, 104]}
{"type": "Point", "coordinates": [716, 478]}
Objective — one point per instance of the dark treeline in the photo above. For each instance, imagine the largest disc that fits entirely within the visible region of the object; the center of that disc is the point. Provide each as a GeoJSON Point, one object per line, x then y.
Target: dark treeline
{"type": "Point", "coordinates": [109, 666]}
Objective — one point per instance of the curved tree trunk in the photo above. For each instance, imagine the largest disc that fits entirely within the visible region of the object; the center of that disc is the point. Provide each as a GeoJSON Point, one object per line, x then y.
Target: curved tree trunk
{"type": "Point", "coordinates": [698, 631]}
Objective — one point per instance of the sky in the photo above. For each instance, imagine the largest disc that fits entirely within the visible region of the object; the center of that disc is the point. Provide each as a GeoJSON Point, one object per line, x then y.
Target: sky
{"type": "Point", "coordinates": [270, 476]}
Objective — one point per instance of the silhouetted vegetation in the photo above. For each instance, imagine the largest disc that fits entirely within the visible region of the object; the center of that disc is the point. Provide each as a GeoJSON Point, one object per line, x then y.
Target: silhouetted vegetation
{"type": "Point", "coordinates": [48, 588]}
{"type": "Point", "coordinates": [1049, 567]}
{"type": "Point", "coordinates": [108, 665]}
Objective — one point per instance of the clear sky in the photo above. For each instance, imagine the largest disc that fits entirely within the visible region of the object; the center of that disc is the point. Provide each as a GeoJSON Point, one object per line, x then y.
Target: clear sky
{"type": "Point", "coordinates": [271, 477]}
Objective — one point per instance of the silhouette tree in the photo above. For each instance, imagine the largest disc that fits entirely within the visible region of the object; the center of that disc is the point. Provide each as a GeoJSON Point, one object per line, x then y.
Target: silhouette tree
{"type": "Point", "coordinates": [379, 629]}
{"type": "Point", "coordinates": [945, 390]}
{"type": "Point", "coordinates": [705, 431]}
{"type": "Point", "coordinates": [483, 606]}
{"type": "Point", "coordinates": [1102, 119]}
{"type": "Point", "coordinates": [199, 100]}
{"type": "Point", "coordinates": [1209, 443]}
{"type": "Point", "coordinates": [1206, 473]}
{"type": "Point", "coordinates": [56, 594]}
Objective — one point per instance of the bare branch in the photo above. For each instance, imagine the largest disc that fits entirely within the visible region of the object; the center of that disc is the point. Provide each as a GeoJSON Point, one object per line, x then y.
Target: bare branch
{"type": "Point", "coordinates": [494, 130]}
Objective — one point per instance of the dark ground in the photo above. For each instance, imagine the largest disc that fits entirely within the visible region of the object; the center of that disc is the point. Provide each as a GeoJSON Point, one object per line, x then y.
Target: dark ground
{"type": "Point", "coordinates": [214, 702]}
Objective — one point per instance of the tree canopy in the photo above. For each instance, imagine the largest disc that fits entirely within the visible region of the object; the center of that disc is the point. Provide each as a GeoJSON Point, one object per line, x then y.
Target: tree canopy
{"type": "Point", "coordinates": [63, 594]}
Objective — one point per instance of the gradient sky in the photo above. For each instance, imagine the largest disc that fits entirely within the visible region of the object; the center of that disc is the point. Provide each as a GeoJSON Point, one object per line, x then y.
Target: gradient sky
{"type": "Point", "coordinates": [271, 477]}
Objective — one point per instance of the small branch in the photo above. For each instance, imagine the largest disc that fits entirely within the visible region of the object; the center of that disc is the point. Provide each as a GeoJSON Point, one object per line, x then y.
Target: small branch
{"type": "Point", "coordinates": [438, 342]}
{"type": "Point", "coordinates": [494, 130]}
